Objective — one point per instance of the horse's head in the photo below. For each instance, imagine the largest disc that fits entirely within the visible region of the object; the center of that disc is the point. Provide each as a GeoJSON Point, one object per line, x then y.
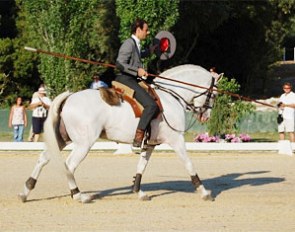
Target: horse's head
{"type": "Point", "coordinates": [203, 102]}
{"type": "Point", "coordinates": [194, 86]}
{"type": "Point", "coordinates": [204, 96]}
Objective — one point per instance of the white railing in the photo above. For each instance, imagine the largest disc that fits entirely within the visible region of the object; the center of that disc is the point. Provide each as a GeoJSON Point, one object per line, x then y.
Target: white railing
{"type": "Point", "coordinates": [249, 146]}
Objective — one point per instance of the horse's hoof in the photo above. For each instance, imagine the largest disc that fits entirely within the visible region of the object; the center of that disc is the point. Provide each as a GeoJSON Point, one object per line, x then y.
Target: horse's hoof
{"type": "Point", "coordinates": [207, 197]}
{"type": "Point", "coordinates": [86, 198]}
{"type": "Point", "coordinates": [143, 197]}
{"type": "Point", "coordinates": [22, 197]}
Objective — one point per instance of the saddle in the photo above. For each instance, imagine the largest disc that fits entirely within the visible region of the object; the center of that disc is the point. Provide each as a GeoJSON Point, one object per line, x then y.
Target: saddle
{"type": "Point", "coordinates": [125, 93]}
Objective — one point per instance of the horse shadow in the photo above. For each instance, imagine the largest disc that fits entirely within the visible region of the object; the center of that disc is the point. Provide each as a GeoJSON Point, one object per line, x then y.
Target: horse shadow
{"type": "Point", "coordinates": [234, 180]}
{"type": "Point", "coordinates": [217, 185]}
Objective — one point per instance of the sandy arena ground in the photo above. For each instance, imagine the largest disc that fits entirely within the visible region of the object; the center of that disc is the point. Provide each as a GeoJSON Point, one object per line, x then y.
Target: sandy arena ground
{"type": "Point", "coordinates": [253, 192]}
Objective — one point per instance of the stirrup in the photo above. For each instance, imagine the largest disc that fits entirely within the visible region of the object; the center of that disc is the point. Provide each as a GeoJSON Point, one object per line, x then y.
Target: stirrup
{"type": "Point", "coordinates": [136, 144]}
{"type": "Point", "coordinates": [153, 142]}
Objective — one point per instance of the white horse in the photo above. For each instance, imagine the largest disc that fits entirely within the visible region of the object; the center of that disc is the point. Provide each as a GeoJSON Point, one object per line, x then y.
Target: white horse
{"type": "Point", "coordinates": [86, 117]}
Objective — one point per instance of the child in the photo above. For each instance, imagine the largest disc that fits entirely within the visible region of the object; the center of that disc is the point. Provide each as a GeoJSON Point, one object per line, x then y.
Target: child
{"type": "Point", "coordinates": [18, 119]}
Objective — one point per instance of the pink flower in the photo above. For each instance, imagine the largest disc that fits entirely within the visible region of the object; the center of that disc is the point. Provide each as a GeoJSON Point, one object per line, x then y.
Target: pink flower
{"type": "Point", "coordinates": [245, 137]}
{"type": "Point", "coordinates": [205, 138]}
{"type": "Point", "coordinates": [231, 138]}
{"type": "Point", "coordinates": [235, 140]}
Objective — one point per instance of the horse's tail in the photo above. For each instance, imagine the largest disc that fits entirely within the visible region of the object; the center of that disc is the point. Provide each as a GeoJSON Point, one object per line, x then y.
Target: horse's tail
{"type": "Point", "coordinates": [51, 126]}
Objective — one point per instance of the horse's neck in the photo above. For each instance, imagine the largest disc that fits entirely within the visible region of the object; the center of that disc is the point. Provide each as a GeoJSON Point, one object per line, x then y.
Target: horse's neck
{"type": "Point", "coordinates": [181, 90]}
{"type": "Point", "coordinates": [191, 74]}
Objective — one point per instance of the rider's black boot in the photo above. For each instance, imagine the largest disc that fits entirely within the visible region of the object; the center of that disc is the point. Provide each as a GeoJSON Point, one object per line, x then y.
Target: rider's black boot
{"type": "Point", "coordinates": [138, 138]}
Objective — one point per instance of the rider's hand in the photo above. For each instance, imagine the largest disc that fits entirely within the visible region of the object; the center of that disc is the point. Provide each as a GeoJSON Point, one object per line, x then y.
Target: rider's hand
{"type": "Point", "coordinates": [141, 72]}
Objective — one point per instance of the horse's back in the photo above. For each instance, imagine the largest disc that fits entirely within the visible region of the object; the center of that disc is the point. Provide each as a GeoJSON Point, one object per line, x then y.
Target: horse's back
{"type": "Point", "coordinates": [86, 112]}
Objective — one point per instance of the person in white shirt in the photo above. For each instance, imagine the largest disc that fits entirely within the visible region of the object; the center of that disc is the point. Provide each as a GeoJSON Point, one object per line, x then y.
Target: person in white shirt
{"type": "Point", "coordinates": [97, 83]}
{"type": "Point", "coordinates": [287, 110]}
{"type": "Point", "coordinates": [40, 105]}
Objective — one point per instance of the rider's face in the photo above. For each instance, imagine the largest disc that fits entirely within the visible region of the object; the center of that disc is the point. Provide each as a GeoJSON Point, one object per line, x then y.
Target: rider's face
{"type": "Point", "coordinates": [142, 33]}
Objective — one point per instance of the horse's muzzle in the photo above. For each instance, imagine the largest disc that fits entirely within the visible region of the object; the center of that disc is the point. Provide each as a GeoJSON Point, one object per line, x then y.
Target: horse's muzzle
{"type": "Point", "coordinates": [202, 118]}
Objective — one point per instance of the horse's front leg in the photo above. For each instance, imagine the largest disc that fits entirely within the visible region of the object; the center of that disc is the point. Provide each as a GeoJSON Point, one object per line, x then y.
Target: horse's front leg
{"type": "Point", "coordinates": [32, 180]}
{"type": "Point", "coordinates": [179, 147]}
{"type": "Point", "coordinates": [142, 163]}
{"type": "Point", "coordinates": [205, 194]}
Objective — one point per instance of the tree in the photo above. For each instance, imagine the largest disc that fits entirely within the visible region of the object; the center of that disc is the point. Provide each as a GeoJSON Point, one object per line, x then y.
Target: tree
{"type": "Point", "coordinates": [197, 18]}
{"type": "Point", "coordinates": [18, 75]}
{"type": "Point", "coordinates": [77, 28]}
{"type": "Point", "coordinates": [243, 44]}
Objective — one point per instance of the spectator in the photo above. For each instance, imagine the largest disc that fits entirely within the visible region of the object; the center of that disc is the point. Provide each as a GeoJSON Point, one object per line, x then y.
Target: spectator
{"type": "Point", "coordinates": [18, 120]}
{"type": "Point", "coordinates": [31, 134]}
{"type": "Point", "coordinates": [97, 83]}
{"type": "Point", "coordinates": [40, 105]}
{"type": "Point", "coordinates": [287, 110]}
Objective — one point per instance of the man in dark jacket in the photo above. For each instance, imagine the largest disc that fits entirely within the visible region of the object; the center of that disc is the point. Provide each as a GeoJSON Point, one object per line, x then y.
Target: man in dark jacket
{"type": "Point", "coordinates": [131, 68]}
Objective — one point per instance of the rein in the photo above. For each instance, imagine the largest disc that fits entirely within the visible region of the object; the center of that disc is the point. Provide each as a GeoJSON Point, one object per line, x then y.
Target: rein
{"type": "Point", "coordinates": [188, 105]}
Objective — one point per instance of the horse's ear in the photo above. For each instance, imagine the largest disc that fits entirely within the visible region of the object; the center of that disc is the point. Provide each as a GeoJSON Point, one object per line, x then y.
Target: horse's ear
{"type": "Point", "coordinates": [219, 78]}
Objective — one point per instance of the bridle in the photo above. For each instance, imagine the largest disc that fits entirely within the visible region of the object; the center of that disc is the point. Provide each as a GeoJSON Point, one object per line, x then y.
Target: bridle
{"type": "Point", "coordinates": [209, 94]}
{"type": "Point", "coordinates": [190, 105]}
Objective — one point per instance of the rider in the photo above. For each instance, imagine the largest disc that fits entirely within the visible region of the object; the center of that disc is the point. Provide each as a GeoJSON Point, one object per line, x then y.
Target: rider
{"type": "Point", "coordinates": [131, 70]}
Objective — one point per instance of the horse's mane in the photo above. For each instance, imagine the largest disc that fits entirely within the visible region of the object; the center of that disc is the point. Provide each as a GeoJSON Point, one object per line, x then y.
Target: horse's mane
{"type": "Point", "coordinates": [178, 69]}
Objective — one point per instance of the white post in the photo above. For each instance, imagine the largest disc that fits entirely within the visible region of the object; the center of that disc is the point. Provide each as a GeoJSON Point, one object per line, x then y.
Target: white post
{"type": "Point", "coordinates": [285, 147]}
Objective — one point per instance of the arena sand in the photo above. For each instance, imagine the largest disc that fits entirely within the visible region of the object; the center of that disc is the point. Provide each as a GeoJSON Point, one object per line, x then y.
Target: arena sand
{"type": "Point", "coordinates": [253, 192]}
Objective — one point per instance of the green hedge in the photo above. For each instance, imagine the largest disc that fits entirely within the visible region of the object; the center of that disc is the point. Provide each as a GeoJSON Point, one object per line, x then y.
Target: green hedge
{"type": "Point", "coordinates": [256, 122]}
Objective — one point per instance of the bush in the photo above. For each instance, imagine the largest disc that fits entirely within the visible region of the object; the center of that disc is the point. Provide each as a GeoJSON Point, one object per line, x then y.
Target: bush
{"type": "Point", "coordinates": [227, 111]}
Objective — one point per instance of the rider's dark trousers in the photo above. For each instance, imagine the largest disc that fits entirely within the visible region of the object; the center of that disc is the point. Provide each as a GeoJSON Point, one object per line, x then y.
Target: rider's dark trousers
{"type": "Point", "coordinates": [151, 108]}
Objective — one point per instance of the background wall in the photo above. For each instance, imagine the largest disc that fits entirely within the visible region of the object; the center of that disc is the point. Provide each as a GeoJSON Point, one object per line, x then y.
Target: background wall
{"type": "Point", "coordinates": [256, 122]}
{"type": "Point", "coordinates": [4, 115]}
{"type": "Point", "coordinates": [259, 121]}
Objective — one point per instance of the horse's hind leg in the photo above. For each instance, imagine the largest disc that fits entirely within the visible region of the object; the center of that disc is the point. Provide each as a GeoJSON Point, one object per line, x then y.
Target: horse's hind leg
{"type": "Point", "coordinates": [142, 163]}
{"type": "Point", "coordinates": [77, 155]}
{"type": "Point", "coordinates": [31, 182]}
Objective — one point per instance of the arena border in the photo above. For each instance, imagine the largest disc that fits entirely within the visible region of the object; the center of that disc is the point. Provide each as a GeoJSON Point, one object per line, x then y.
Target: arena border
{"type": "Point", "coordinates": [249, 146]}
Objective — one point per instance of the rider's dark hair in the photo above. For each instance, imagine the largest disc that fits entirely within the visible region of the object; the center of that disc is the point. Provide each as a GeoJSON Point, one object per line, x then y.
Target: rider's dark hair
{"type": "Point", "coordinates": [288, 84]}
{"type": "Point", "coordinates": [137, 23]}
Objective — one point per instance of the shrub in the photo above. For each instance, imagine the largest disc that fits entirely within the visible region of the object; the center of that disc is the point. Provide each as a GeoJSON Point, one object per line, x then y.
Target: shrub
{"type": "Point", "coordinates": [228, 111]}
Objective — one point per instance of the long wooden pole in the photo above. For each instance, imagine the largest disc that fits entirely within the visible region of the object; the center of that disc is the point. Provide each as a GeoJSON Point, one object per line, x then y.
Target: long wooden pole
{"type": "Point", "coordinates": [149, 74]}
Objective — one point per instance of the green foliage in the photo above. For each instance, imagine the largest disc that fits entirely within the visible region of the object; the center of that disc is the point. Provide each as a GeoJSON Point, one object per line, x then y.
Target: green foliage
{"type": "Point", "coordinates": [18, 73]}
{"type": "Point", "coordinates": [240, 38]}
{"type": "Point", "coordinates": [14, 80]}
{"type": "Point", "coordinates": [227, 112]}
{"type": "Point", "coordinates": [76, 28]}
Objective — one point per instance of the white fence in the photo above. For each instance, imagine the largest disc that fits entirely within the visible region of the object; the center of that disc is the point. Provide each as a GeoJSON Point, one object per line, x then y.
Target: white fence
{"type": "Point", "coordinates": [251, 146]}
